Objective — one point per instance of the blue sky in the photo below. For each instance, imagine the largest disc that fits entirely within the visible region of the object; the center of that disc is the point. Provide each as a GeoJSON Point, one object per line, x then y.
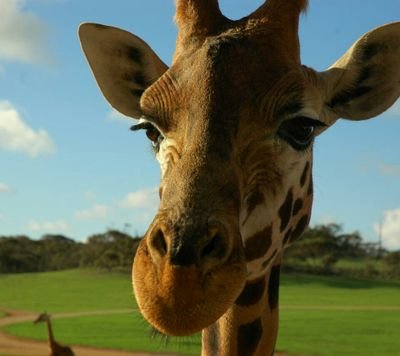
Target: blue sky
{"type": "Point", "coordinates": [69, 164]}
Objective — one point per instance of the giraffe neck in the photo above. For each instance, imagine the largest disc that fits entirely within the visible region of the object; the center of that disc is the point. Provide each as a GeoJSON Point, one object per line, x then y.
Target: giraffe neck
{"type": "Point", "coordinates": [250, 327]}
{"type": "Point", "coordinates": [50, 332]}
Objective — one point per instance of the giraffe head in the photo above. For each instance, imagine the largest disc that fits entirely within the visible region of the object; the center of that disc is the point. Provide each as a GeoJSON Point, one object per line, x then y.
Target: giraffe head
{"type": "Point", "coordinates": [232, 122]}
{"type": "Point", "coordinates": [44, 317]}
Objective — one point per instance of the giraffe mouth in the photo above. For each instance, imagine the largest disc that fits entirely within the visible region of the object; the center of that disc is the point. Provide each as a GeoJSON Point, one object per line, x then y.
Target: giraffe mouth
{"type": "Point", "coordinates": [182, 300]}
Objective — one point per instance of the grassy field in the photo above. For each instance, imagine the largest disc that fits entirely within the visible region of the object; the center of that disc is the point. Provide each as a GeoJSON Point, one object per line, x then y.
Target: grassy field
{"type": "Point", "coordinates": [124, 331]}
{"type": "Point", "coordinates": [81, 291]}
{"type": "Point", "coordinates": [339, 316]}
{"type": "Point", "coordinates": [336, 316]}
{"type": "Point", "coordinates": [66, 291]}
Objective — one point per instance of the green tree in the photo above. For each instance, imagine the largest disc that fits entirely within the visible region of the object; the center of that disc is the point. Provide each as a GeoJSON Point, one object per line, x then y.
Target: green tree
{"type": "Point", "coordinates": [318, 248]}
{"type": "Point", "coordinates": [392, 260]}
{"type": "Point", "coordinates": [19, 254]}
{"type": "Point", "coordinates": [112, 250]}
{"type": "Point", "coordinates": [59, 252]}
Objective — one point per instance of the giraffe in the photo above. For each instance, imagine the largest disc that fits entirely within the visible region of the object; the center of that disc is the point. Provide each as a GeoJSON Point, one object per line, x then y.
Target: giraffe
{"type": "Point", "coordinates": [55, 348]}
{"type": "Point", "coordinates": [232, 123]}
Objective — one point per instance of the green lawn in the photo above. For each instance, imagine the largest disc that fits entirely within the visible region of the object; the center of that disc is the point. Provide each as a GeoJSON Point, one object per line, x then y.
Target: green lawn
{"type": "Point", "coordinates": [124, 331]}
{"type": "Point", "coordinates": [333, 315]}
{"type": "Point", "coordinates": [66, 291]}
{"type": "Point", "coordinates": [332, 332]}
{"type": "Point", "coordinates": [339, 316]}
{"type": "Point", "coordinates": [337, 291]}
{"type": "Point", "coordinates": [85, 290]}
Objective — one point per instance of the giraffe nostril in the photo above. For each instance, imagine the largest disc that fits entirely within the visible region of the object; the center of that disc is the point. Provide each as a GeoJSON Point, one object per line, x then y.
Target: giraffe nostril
{"type": "Point", "coordinates": [158, 242]}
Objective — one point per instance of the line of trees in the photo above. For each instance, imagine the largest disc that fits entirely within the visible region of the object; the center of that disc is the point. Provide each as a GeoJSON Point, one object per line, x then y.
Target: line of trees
{"type": "Point", "coordinates": [323, 249]}
{"type": "Point", "coordinates": [326, 249]}
{"type": "Point", "coordinates": [112, 250]}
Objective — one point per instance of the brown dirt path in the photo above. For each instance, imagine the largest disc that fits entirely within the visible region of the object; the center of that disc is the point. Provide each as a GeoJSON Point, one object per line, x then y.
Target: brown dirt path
{"type": "Point", "coordinates": [14, 346]}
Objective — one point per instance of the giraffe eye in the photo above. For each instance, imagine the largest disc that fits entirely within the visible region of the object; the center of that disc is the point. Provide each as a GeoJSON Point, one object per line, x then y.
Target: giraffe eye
{"type": "Point", "coordinates": [299, 132]}
{"type": "Point", "coordinates": [153, 135]}
{"type": "Point", "coordinates": [151, 132]}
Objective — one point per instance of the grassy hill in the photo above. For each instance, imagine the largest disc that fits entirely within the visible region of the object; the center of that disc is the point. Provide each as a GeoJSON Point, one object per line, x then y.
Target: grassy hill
{"type": "Point", "coordinates": [319, 315]}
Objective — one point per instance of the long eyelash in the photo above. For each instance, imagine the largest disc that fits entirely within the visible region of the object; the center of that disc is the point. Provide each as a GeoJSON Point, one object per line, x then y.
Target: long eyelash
{"type": "Point", "coordinates": [147, 126]}
{"type": "Point", "coordinates": [141, 126]}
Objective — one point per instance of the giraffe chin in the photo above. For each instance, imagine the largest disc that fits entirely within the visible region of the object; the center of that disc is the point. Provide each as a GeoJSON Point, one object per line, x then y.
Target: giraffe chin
{"type": "Point", "coordinates": [185, 300]}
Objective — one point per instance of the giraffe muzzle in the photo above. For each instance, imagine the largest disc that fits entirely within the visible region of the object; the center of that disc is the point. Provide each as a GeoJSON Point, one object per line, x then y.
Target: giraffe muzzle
{"type": "Point", "coordinates": [191, 266]}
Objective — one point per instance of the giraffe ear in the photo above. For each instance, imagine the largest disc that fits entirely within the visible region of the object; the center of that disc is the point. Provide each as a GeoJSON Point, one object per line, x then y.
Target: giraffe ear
{"type": "Point", "coordinates": [123, 65]}
{"type": "Point", "coordinates": [366, 80]}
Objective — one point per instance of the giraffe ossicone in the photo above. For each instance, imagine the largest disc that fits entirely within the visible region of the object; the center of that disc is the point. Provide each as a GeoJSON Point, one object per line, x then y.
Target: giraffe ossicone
{"type": "Point", "coordinates": [232, 122]}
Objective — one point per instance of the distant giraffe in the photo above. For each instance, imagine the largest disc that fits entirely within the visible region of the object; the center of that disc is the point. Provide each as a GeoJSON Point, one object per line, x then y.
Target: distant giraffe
{"type": "Point", "coordinates": [55, 347]}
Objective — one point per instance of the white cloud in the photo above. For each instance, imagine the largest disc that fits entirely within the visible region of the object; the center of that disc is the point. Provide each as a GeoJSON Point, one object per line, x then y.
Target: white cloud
{"type": "Point", "coordinates": [58, 226]}
{"type": "Point", "coordinates": [390, 229]}
{"type": "Point", "coordinates": [146, 198]}
{"type": "Point", "coordinates": [4, 188]}
{"type": "Point", "coordinates": [16, 135]}
{"type": "Point", "coordinates": [136, 207]}
{"type": "Point", "coordinates": [142, 206]}
{"type": "Point", "coordinates": [96, 212]}
{"type": "Point", "coordinates": [22, 34]}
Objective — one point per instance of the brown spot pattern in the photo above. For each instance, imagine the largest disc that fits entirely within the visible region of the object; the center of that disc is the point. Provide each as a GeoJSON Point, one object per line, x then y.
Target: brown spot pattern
{"type": "Point", "coordinates": [255, 198]}
{"type": "Point", "coordinates": [310, 187]}
{"type": "Point", "coordinates": [249, 336]}
{"type": "Point", "coordinates": [252, 293]}
{"type": "Point", "coordinates": [285, 211]}
{"type": "Point", "coordinates": [287, 237]}
{"type": "Point", "coordinates": [303, 177]}
{"type": "Point", "coordinates": [300, 227]}
{"type": "Point", "coordinates": [298, 205]}
{"type": "Point", "coordinates": [273, 287]}
{"type": "Point", "coordinates": [258, 245]}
